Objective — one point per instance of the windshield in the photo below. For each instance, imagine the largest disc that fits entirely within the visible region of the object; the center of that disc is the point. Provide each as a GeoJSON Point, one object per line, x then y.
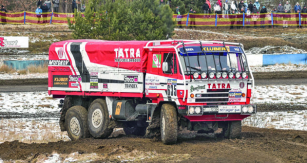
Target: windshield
{"type": "Point", "coordinates": [219, 61]}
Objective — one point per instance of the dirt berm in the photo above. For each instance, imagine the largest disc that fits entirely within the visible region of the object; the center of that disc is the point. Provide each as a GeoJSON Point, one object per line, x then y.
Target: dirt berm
{"type": "Point", "coordinates": [257, 145]}
{"type": "Point", "coordinates": [257, 75]}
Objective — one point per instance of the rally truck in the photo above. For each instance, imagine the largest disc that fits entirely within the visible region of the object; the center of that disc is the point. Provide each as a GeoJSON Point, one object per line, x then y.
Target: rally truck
{"type": "Point", "coordinates": [150, 87]}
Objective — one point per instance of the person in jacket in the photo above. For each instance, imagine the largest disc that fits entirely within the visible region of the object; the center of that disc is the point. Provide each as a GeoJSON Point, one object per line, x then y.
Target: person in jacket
{"type": "Point", "coordinates": [220, 3]}
{"type": "Point", "coordinates": [39, 3]}
{"type": "Point", "coordinates": [209, 4]}
{"type": "Point", "coordinates": [3, 9]}
{"type": "Point", "coordinates": [206, 8]}
{"type": "Point", "coordinates": [38, 13]}
{"type": "Point", "coordinates": [245, 6]}
{"type": "Point", "coordinates": [254, 10]}
{"type": "Point", "coordinates": [233, 7]}
{"type": "Point", "coordinates": [74, 5]}
{"type": "Point", "coordinates": [280, 8]}
{"type": "Point", "coordinates": [236, 7]}
{"type": "Point", "coordinates": [83, 8]}
{"type": "Point", "coordinates": [257, 4]}
{"type": "Point", "coordinates": [250, 6]}
{"type": "Point", "coordinates": [304, 10]}
{"type": "Point", "coordinates": [287, 7]}
{"type": "Point", "coordinates": [217, 8]}
{"type": "Point", "coordinates": [45, 9]}
{"type": "Point", "coordinates": [263, 11]}
{"type": "Point", "coordinates": [297, 7]}
{"type": "Point", "coordinates": [56, 5]}
{"type": "Point", "coordinates": [241, 7]}
{"type": "Point", "coordinates": [48, 4]}
{"type": "Point", "coordinates": [226, 7]}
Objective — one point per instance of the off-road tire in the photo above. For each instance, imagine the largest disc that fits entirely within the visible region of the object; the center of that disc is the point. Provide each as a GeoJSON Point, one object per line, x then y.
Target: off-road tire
{"type": "Point", "coordinates": [68, 103]}
{"type": "Point", "coordinates": [168, 124]}
{"type": "Point", "coordinates": [233, 131]}
{"type": "Point", "coordinates": [134, 129]}
{"type": "Point", "coordinates": [101, 129]}
{"type": "Point", "coordinates": [77, 114]}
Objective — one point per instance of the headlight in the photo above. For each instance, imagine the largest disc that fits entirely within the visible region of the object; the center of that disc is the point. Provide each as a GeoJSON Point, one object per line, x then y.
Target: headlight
{"type": "Point", "coordinates": [250, 109]}
{"type": "Point", "coordinates": [244, 75]}
{"type": "Point", "coordinates": [203, 75]}
{"type": "Point", "coordinates": [191, 110]}
{"type": "Point", "coordinates": [224, 75]}
{"type": "Point", "coordinates": [238, 75]}
{"type": "Point", "coordinates": [197, 110]}
{"type": "Point", "coordinates": [230, 75]}
{"type": "Point", "coordinates": [218, 75]}
{"type": "Point", "coordinates": [244, 109]}
{"type": "Point", "coordinates": [195, 75]}
{"type": "Point", "coordinates": [211, 75]}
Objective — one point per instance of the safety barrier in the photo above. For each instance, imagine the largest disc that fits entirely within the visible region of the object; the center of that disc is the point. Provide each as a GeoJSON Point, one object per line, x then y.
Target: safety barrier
{"type": "Point", "coordinates": [241, 20]}
{"type": "Point", "coordinates": [272, 59]}
{"type": "Point", "coordinates": [33, 18]}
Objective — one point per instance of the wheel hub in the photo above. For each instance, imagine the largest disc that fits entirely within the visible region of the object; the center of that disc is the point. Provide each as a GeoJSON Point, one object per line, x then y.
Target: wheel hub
{"type": "Point", "coordinates": [163, 127]}
{"type": "Point", "coordinates": [75, 126]}
{"type": "Point", "coordinates": [97, 118]}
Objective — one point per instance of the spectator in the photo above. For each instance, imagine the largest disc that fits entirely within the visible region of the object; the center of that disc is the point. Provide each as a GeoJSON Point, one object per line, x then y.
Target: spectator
{"type": "Point", "coordinates": [236, 7]}
{"type": "Point", "coordinates": [241, 7]}
{"type": "Point", "coordinates": [287, 7]}
{"type": "Point", "coordinates": [82, 8]}
{"type": "Point", "coordinates": [304, 10]}
{"type": "Point", "coordinates": [48, 4]}
{"type": "Point", "coordinates": [177, 10]}
{"type": "Point", "coordinates": [226, 7]}
{"type": "Point", "coordinates": [285, 21]}
{"type": "Point", "coordinates": [206, 8]}
{"type": "Point", "coordinates": [3, 9]}
{"type": "Point", "coordinates": [250, 6]}
{"type": "Point", "coordinates": [274, 10]}
{"type": "Point", "coordinates": [248, 20]}
{"type": "Point", "coordinates": [233, 7]}
{"type": "Point", "coordinates": [38, 13]}
{"type": "Point", "coordinates": [39, 3]}
{"type": "Point", "coordinates": [255, 10]}
{"type": "Point", "coordinates": [220, 3]}
{"type": "Point", "coordinates": [245, 6]}
{"type": "Point", "coordinates": [74, 5]}
{"type": "Point", "coordinates": [257, 4]}
{"type": "Point", "coordinates": [217, 8]}
{"type": "Point", "coordinates": [280, 8]}
{"type": "Point", "coordinates": [191, 10]}
{"type": "Point", "coordinates": [263, 10]}
{"type": "Point", "coordinates": [56, 5]}
{"type": "Point", "coordinates": [209, 4]}
{"type": "Point", "coordinates": [45, 10]}
{"type": "Point", "coordinates": [297, 7]}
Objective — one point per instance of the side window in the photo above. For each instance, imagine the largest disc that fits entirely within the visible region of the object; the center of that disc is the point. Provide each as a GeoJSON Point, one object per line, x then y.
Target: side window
{"type": "Point", "coordinates": [170, 58]}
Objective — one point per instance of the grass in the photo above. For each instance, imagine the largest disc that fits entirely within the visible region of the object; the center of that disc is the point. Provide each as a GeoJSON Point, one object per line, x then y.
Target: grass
{"type": "Point", "coordinates": [30, 70]}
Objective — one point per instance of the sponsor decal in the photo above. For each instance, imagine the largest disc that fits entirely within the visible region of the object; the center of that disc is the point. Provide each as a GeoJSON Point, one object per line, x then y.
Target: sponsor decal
{"type": "Point", "coordinates": [215, 49]}
{"type": "Point", "coordinates": [198, 95]}
{"type": "Point", "coordinates": [74, 84]}
{"type": "Point", "coordinates": [235, 95]}
{"type": "Point", "coordinates": [94, 74]}
{"type": "Point", "coordinates": [156, 61]}
{"type": "Point", "coordinates": [93, 80]}
{"type": "Point", "coordinates": [153, 87]}
{"type": "Point", "coordinates": [75, 78]}
{"type": "Point", "coordinates": [171, 81]}
{"type": "Point", "coordinates": [189, 49]}
{"type": "Point", "coordinates": [218, 86]}
{"type": "Point", "coordinates": [197, 88]}
{"type": "Point", "coordinates": [130, 79]}
{"type": "Point", "coordinates": [60, 52]}
{"type": "Point", "coordinates": [127, 55]}
{"type": "Point", "coordinates": [241, 84]}
{"type": "Point", "coordinates": [171, 87]}
{"type": "Point", "coordinates": [59, 63]}
{"type": "Point", "coordinates": [14, 42]}
{"type": "Point", "coordinates": [131, 86]}
{"type": "Point", "coordinates": [60, 80]}
{"type": "Point", "coordinates": [105, 85]}
{"type": "Point", "coordinates": [180, 92]}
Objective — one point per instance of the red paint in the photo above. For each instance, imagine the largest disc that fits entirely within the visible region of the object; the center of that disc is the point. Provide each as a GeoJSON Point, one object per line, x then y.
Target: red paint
{"type": "Point", "coordinates": [222, 117]}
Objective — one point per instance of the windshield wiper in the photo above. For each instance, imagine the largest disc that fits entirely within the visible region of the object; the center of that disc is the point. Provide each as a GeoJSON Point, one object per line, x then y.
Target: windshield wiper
{"type": "Point", "coordinates": [194, 68]}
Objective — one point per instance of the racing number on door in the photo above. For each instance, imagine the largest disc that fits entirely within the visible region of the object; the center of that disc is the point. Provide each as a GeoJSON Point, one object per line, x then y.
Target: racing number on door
{"type": "Point", "coordinates": [171, 90]}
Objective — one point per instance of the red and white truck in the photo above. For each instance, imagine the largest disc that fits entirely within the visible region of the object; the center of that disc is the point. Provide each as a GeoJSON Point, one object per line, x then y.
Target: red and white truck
{"type": "Point", "coordinates": [144, 86]}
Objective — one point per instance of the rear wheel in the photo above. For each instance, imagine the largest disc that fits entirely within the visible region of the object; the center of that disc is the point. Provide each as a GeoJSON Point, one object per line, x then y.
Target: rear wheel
{"type": "Point", "coordinates": [168, 124]}
{"type": "Point", "coordinates": [131, 128]}
{"type": "Point", "coordinates": [76, 123]}
{"type": "Point", "coordinates": [233, 130]}
{"type": "Point", "coordinates": [98, 119]}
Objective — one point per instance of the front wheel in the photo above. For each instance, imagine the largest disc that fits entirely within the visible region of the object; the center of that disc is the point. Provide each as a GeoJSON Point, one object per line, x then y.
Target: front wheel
{"type": "Point", "coordinates": [168, 124]}
{"type": "Point", "coordinates": [233, 130]}
{"type": "Point", "coordinates": [76, 123]}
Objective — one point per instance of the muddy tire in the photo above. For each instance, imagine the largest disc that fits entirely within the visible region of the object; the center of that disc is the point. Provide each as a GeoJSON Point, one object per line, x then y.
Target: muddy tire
{"type": "Point", "coordinates": [76, 123]}
{"type": "Point", "coordinates": [98, 119]}
{"type": "Point", "coordinates": [233, 130]}
{"type": "Point", "coordinates": [134, 129]}
{"type": "Point", "coordinates": [168, 124]}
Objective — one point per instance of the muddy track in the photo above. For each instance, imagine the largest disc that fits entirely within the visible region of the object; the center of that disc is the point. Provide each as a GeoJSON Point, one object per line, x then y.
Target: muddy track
{"type": "Point", "coordinates": [257, 145]}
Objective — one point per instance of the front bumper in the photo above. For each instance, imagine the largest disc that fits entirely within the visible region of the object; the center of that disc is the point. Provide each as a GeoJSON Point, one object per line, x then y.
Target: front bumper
{"type": "Point", "coordinates": [199, 110]}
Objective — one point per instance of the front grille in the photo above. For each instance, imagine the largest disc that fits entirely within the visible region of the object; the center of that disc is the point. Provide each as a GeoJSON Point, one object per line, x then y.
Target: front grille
{"type": "Point", "coordinates": [214, 95]}
{"type": "Point", "coordinates": [212, 100]}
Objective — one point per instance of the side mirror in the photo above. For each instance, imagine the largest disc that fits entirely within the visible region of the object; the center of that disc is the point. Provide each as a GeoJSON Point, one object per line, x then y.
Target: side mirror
{"type": "Point", "coordinates": [164, 66]}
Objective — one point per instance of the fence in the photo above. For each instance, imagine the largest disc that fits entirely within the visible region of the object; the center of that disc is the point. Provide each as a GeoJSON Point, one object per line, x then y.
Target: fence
{"type": "Point", "coordinates": [241, 20]}
{"type": "Point", "coordinates": [187, 20]}
{"type": "Point", "coordinates": [33, 18]}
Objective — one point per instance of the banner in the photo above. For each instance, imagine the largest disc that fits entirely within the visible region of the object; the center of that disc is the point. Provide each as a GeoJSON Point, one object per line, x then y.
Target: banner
{"type": "Point", "coordinates": [14, 42]}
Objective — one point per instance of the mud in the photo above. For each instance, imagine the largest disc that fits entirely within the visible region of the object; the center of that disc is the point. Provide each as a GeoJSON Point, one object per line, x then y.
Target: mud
{"type": "Point", "coordinates": [257, 145]}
